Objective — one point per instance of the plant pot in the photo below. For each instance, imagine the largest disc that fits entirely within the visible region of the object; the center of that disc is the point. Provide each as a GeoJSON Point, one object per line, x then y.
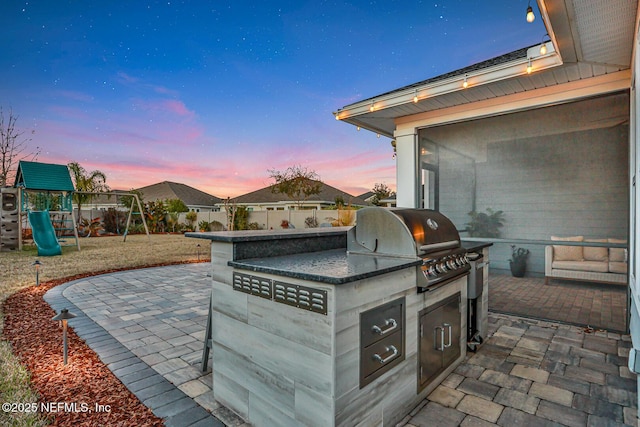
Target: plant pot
{"type": "Point", "coordinates": [518, 268]}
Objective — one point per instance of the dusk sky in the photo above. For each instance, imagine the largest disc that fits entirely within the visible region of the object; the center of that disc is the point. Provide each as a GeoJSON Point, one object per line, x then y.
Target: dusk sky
{"type": "Point", "coordinates": [213, 94]}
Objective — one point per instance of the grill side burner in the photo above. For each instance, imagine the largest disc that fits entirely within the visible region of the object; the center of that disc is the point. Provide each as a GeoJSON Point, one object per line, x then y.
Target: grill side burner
{"type": "Point", "coordinates": [421, 233]}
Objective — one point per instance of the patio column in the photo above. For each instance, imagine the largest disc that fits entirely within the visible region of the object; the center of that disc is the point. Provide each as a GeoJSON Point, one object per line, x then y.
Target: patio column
{"type": "Point", "coordinates": [407, 179]}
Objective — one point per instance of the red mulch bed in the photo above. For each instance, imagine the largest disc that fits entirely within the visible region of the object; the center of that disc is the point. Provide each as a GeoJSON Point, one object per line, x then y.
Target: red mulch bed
{"type": "Point", "coordinates": [37, 341]}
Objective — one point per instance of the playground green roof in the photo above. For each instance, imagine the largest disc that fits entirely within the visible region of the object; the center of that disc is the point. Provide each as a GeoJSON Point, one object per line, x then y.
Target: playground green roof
{"type": "Point", "coordinates": [43, 176]}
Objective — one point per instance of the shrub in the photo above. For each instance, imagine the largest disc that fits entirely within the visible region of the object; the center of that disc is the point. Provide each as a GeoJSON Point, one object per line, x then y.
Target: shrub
{"type": "Point", "coordinates": [114, 221]}
{"type": "Point", "coordinates": [191, 218]}
{"type": "Point", "coordinates": [216, 226]}
{"type": "Point", "coordinates": [310, 222]}
{"type": "Point", "coordinates": [240, 219]}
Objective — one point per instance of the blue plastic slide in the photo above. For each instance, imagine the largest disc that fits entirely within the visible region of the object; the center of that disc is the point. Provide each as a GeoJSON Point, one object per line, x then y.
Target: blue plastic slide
{"type": "Point", "coordinates": [44, 235]}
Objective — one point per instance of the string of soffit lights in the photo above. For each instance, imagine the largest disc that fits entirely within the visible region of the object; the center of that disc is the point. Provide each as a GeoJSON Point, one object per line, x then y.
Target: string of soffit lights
{"type": "Point", "coordinates": [530, 17]}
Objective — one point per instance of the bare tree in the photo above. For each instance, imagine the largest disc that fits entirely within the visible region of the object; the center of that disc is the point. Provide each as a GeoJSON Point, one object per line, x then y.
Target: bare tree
{"type": "Point", "coordinates": [297, 182]}
{"type": "Point", "coordinates": [230, 209]}
{"type": "Point", "coordinates": [13, 144]}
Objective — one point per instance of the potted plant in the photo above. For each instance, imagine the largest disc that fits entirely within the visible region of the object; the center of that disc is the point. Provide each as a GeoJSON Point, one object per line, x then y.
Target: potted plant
{"type": "Point", "coordinates": [518, 261]}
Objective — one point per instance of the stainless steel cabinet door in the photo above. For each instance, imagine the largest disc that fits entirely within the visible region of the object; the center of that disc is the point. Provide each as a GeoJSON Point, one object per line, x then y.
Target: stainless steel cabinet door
{"type": "Point", "coordinates": [440, 333]}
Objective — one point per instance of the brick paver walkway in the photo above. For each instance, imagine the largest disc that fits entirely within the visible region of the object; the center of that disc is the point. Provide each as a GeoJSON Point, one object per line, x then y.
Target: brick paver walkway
{"type": "Point", "coordinates": [148, 326]}
{"type": "Point", "coordinates": [601, 306]}
{"type": "Point", "coordinates": [534, 373]}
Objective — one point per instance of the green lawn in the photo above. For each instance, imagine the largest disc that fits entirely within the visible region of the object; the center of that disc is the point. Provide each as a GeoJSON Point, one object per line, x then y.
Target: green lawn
{"type": "Point", "coordinates": [97, 254]}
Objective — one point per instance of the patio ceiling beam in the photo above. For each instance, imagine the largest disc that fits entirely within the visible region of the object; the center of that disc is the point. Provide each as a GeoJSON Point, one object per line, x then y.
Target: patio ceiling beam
{"type": "Point", "coordinates": [552, 95]}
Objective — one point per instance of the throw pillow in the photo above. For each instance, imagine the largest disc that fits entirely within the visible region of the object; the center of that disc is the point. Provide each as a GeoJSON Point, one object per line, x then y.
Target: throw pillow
{"type": "Point", "coordinates": [594, 253]}
{"type": "Point", "coordinates": [617, 254]}
{"type": "Point", "coordinates": [568, 253]}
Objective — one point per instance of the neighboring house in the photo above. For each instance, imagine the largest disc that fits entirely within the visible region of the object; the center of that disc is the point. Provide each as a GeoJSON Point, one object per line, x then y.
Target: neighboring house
{"type": "Point", "coordinates": [196, 200]}
{"type": "Point", "coordinates": [549, 134]}
{"type": "Point", "coordinates": [104, 202]}
{"type": "Point", "coordinates": [367, 197]}
{"type": "Point", "coordinates": [388, 202]}
{"type": "Point", "coordinates": [266, 200]}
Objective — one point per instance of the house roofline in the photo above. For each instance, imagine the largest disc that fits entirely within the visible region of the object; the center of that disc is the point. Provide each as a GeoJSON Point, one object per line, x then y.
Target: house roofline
{"type": "Point", "coordinates": [493, 70]}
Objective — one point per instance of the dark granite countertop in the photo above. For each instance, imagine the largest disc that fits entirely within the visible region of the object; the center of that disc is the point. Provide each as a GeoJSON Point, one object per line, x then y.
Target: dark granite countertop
{"type": "Point", "coordinates": [332, 266]}
{"type": "Point", "coordinates": [473, 246]}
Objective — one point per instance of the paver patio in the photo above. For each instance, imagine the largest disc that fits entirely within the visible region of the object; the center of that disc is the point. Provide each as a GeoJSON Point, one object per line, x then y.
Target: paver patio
{"type": "Point", "coordinates": [598, 305]}
{"type": "Point", "coordinates": [148, 327]}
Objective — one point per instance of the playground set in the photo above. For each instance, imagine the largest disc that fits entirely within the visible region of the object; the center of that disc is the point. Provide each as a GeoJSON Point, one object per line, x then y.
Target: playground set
{"type": "Point", "coordinates": [41, 201]}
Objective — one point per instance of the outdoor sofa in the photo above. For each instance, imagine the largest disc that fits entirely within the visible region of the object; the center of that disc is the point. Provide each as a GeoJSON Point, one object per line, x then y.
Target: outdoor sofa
{"type": "Point", "coordinates": [586, 263]}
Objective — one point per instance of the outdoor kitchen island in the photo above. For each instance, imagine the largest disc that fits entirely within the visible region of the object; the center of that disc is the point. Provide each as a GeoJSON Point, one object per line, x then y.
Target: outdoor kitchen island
{"type": "Point", "coordinates": [310, 329]}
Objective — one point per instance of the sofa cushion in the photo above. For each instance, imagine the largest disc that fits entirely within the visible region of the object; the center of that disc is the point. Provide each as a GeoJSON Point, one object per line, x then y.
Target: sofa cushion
{"type": "Point", "coordinates": [618, 267]}
{"type": "Point", "coordinates": [617, 254]}
{"type": "Point", "coordinates": [567, 253]}
{"type": "Point", "coordinates": [595, 253]}
{"type": "Point", "coordinates": [600, 267]}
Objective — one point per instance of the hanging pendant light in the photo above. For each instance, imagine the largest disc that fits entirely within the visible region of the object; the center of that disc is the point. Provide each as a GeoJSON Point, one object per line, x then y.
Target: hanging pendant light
{"type": "Point", "coordinates": [543, 45]}
{"type": "Point", "coordinates": [530, 16]}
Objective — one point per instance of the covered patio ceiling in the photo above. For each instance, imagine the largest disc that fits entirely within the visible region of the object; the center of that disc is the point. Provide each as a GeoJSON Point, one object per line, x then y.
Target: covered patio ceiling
{"type": "Point", "coordinates": [589, 53]}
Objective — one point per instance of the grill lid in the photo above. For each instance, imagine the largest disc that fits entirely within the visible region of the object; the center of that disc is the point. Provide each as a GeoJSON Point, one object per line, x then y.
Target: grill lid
{"type": "Point", "coordinates": [402, 232]}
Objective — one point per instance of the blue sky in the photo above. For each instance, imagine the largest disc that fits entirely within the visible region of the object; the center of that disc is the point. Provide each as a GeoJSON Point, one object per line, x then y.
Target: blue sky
{"type": "Point", "coordinates": [213, 94]}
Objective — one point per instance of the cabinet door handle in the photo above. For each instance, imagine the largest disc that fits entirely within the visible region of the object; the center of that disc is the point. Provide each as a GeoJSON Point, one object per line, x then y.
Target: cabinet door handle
{"type": "Point", "coordinates": [449, 328]}
{"type": "Point", "coordinates": [390, 353]}
{"type": "Point", "coordinates": [389, 325]}
{"type": "Point", "coordinates": [435, 338]}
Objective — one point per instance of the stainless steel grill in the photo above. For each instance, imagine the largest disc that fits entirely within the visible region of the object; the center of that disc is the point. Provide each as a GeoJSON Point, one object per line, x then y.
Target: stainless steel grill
{"type": "Point", "coordinates": [422, 233]}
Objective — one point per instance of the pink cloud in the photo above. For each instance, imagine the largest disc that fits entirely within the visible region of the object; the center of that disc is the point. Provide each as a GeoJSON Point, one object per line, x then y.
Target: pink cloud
{"type": "Point", "coordinates": [178, 108]}
{"type": "Point", "coordinates": [126, 78]}
{"type": "Point", "coordinates": [164, 91]}
{"type": "Point", "coordinates": [162, 140]}
{"type": "Point", "coordinates": [137, 83]}
{"type": "Point", "coordinates": [76, 96]}
{"type": "Point", "coordinates": [170, 106]}
{"type": "Point", "coordinates": [231, 175]}
{"type": "Point", "coordinates": [72, 113]}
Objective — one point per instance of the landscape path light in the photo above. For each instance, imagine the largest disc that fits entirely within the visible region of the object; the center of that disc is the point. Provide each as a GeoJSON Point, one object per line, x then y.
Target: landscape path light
{"type": "Point", "coordinates": [37, 264]}
{"type": "Point", "coordinates": [63, 317]}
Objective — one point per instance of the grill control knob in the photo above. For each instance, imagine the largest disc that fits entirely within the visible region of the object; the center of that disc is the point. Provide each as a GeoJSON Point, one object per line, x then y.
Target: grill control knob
{"type": "Point", "coordinates": [432, 270]}
{"type": "Point", "coordinates": [451, 264]}
{"type": "Point", "coordinates": [441, 268]}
